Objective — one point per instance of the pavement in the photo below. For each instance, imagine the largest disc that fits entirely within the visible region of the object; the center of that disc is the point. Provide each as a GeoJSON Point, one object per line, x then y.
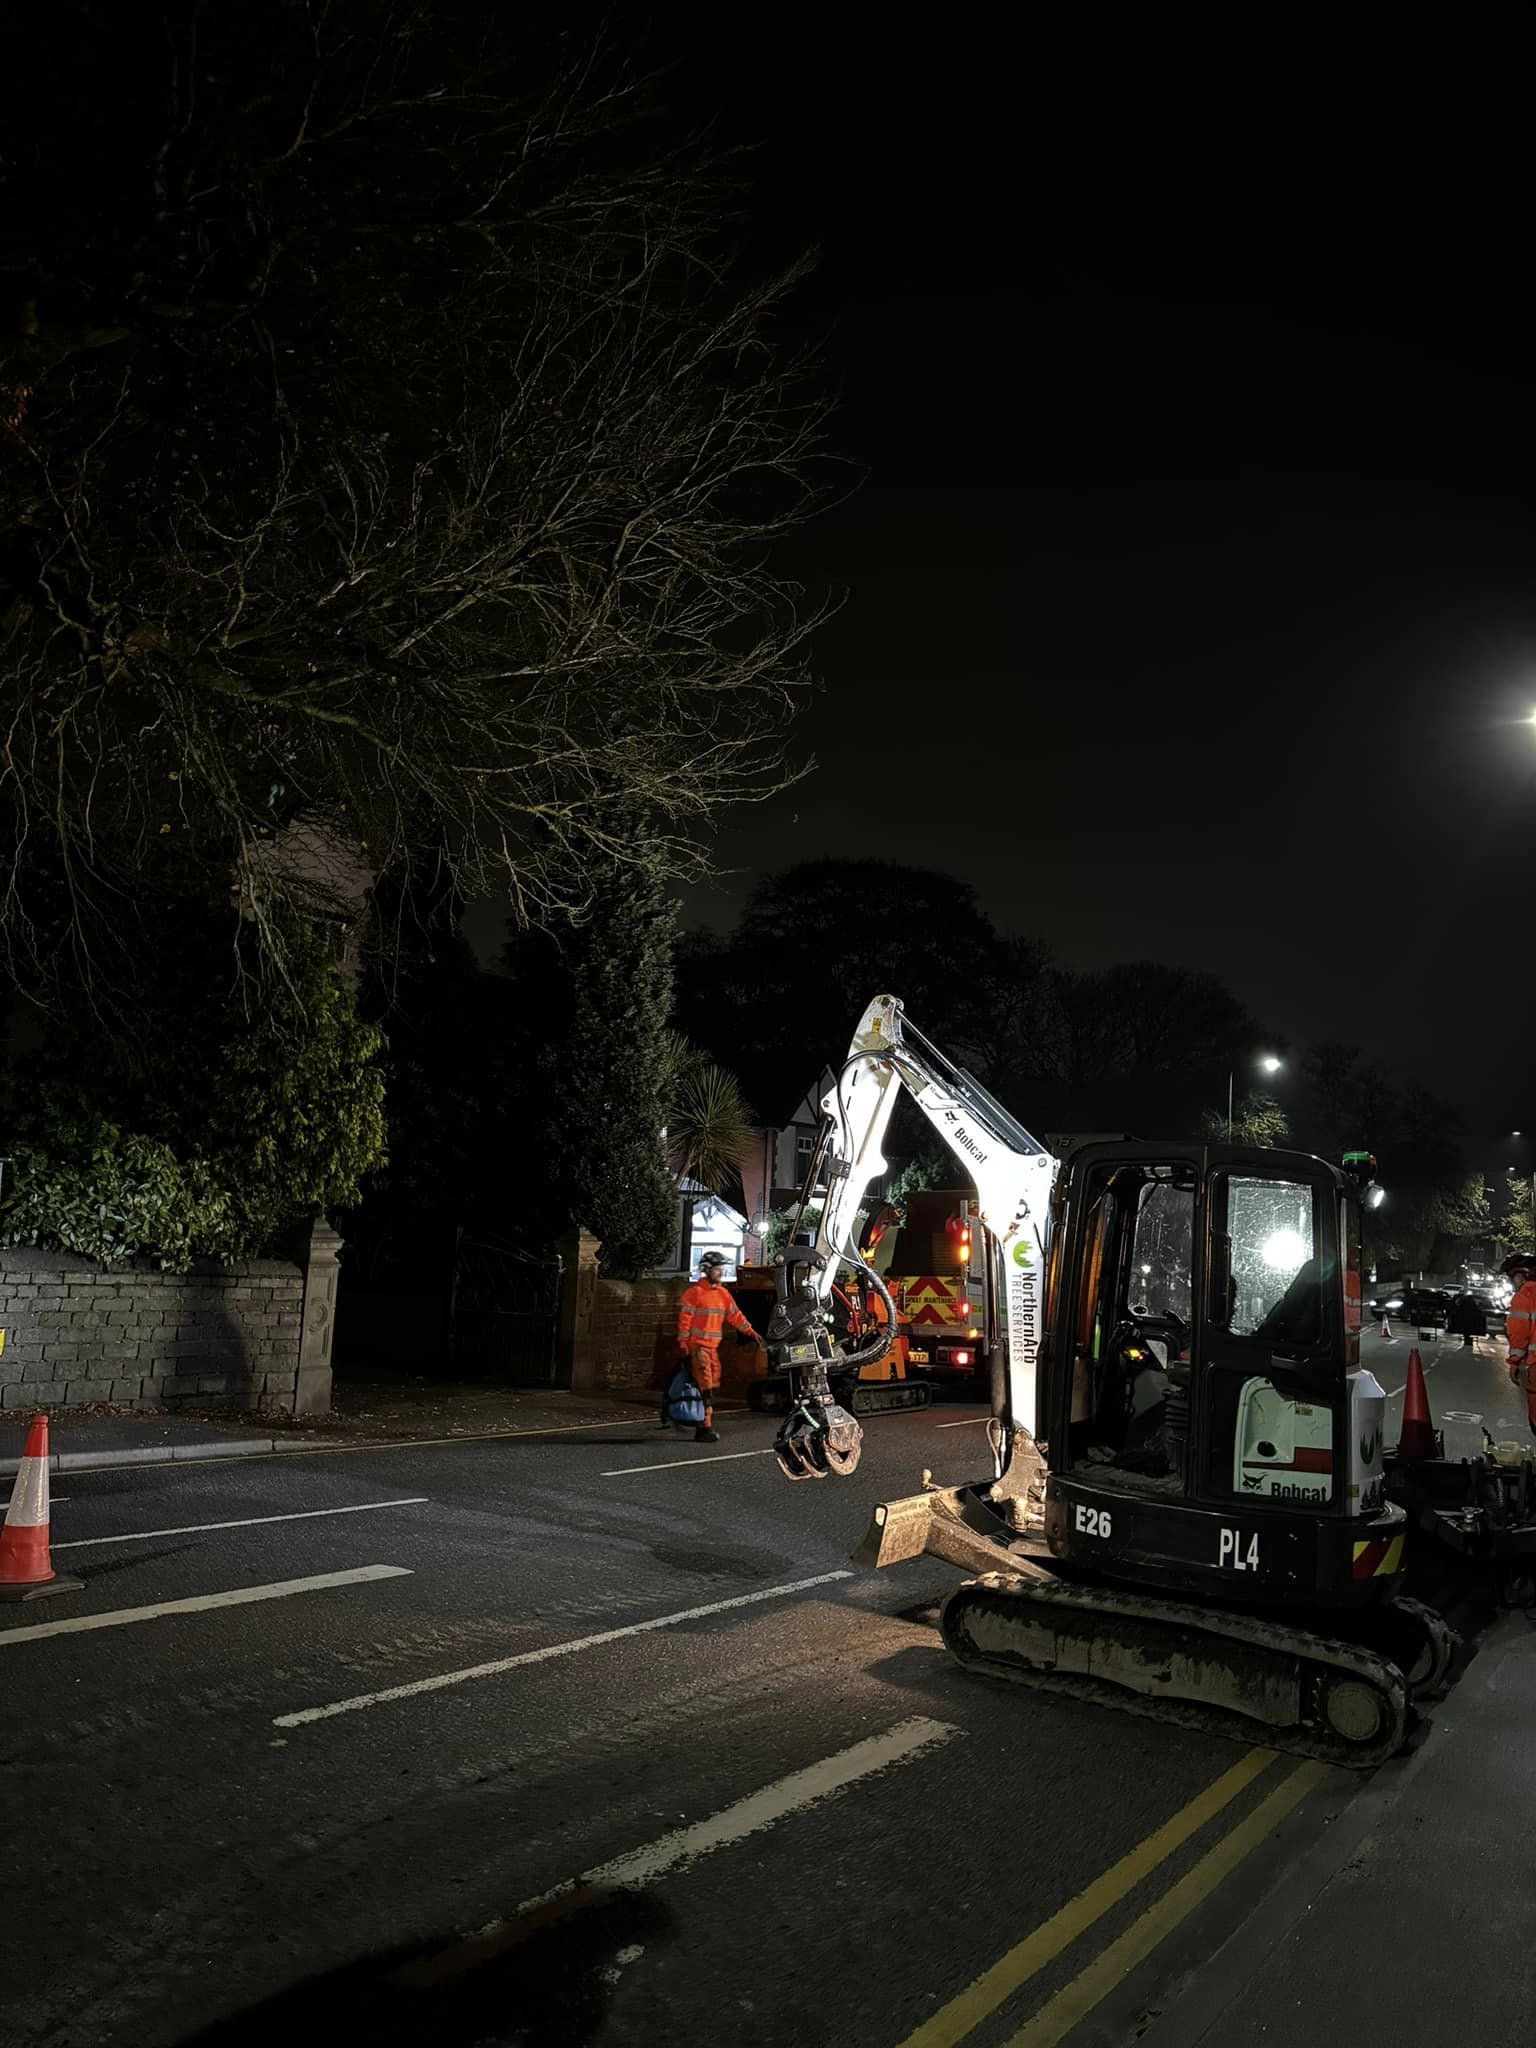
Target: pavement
{"type": "Point", "coordinates": [596, 1737]}
{"type": "Point", "coordinates": [1466, 1389]}
{"type": "Point", "coordinates": [365, 1411]}
{"type": "Point", "coordinates": [1412, 1915]}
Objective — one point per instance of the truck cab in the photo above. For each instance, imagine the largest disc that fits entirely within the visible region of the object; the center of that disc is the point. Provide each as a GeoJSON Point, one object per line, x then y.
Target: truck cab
{"type": "Point", "coordinates": [936, 1261]}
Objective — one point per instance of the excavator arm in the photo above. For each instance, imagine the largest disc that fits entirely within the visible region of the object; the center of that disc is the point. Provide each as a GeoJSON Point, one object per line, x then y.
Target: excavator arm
{"type": "Point", "coordinates": [1012, 1172]}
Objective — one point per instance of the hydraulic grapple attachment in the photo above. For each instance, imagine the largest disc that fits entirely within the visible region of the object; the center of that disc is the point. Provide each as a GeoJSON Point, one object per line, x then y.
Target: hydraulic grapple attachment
{"type": "Point", "coordinates": [818, 1435]}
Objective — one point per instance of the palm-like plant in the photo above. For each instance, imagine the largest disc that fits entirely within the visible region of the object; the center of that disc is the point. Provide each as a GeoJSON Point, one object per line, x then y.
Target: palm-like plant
{"type": "Point", "coordinates": [709, 1126]}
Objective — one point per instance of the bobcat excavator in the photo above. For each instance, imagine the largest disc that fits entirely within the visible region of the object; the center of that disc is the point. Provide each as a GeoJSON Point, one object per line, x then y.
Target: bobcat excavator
{"type": "Point", "coordinates": [1186, 1516]}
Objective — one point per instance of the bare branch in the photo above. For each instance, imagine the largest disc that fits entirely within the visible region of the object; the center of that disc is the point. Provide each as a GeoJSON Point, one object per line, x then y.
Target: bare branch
{"type": "Point", "coordinates": [412, 469]}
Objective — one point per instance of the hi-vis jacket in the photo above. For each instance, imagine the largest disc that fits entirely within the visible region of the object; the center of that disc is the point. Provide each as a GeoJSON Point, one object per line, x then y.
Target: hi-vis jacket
{"type": "Point", "coordinates": [705, 1310]}
{"type": "Point", "coordinates": [1520, 1329]}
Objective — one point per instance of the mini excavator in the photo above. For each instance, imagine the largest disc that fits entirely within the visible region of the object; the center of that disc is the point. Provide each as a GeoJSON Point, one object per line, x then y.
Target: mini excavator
{"type": "Point", "coordinates": [1187, 1514]}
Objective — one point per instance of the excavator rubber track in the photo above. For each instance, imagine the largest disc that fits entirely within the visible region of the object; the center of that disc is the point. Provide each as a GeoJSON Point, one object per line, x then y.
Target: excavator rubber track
{"type": "Point", "coordinates": [1237, 1675]}
{"type": "Point", "coordinates": [882, 1397]}
{"type": "Point", "coordinates": [859, 1397]}
{"type": "Point", "coordinates": [1420, 1642]}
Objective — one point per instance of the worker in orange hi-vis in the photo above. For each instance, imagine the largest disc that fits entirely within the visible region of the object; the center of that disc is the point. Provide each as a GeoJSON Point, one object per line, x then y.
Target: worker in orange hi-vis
{"type": "Point", "coordinates": [1520, 1327]}
{"type": "Point", "coordinates": [702, 1317]}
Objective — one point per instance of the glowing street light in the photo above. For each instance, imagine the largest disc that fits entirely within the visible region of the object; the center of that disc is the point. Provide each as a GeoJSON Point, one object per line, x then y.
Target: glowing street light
{"type": "Point", "coordinates": [1284, 1251]}
{"type": "Point", "coordinates": [1270, 1063]}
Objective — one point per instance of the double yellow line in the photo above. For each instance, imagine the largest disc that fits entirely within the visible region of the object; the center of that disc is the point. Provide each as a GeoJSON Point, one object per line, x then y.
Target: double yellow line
{"type": "Point", "coordinates": [1061, 2013]}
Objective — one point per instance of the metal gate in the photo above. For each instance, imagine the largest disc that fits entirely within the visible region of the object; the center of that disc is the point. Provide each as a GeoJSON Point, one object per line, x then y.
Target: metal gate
{"type": "Point", "coordinates": [504, 1312]}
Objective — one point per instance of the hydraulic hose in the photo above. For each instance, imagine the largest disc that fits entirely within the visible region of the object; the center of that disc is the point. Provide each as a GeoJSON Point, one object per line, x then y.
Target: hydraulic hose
{"type": "Point", "coordinates": [877, 1345]}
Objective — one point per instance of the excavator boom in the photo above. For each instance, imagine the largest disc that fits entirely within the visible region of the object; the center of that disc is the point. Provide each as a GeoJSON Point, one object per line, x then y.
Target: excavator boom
{"type": "Point", "coordinates": [1012, 1172]}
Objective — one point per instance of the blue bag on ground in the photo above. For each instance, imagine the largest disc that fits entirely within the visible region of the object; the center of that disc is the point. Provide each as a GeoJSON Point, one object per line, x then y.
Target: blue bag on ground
{"type": "Point", "coordinates": [684, 1403]}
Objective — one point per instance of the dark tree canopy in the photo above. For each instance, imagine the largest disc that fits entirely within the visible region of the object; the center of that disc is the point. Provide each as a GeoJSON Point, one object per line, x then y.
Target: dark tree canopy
{"type": "Point", "coordinates": [775, 1001]}
{"type": "Point", "coordinates": [177, 1120]}
{"type": "Point", "coordinates": [597, 996]}
{"type": "Point", "coordinates": [383, 444]}
{"type": "Point", "coordinates": [1142, 1047]}
{"type": "Point", "coordinates": [1139, 1046]}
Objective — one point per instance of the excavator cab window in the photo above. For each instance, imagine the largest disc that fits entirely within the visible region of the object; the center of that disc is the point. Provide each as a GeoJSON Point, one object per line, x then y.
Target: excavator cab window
{"type": "Point", "coordinates": [1269, 1272]}
{"type": "Point", "coordinates": [1131, 1318]}
{"type": "Point", "coordinates": [1273, 1350]}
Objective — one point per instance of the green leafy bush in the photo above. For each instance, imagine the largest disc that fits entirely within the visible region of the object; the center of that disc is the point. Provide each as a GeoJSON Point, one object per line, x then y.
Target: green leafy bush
{"type": "Point", "coordinates": [113, 1195]}
{"type": "Point", "coordinates": [296, 1110]}
{"type": "Point", "coordinates": [208, 1124]}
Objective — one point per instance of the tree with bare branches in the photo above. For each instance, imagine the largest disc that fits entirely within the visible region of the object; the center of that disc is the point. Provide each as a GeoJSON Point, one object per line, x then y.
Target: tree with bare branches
{"type": "Point", "coordinates": [386, 454]}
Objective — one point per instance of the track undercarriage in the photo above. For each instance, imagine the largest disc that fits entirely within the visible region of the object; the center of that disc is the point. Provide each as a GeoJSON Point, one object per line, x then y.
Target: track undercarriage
{"type": "Point", "coordinates": [772, 1396]}
{"type": "Point", "coordinates": [1341, 1691]}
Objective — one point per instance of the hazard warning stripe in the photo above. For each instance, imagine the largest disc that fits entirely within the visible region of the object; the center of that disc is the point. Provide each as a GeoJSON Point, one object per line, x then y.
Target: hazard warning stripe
{"type": "Point", "coordinates": [1378, 1559]}
{"type": "Point", "coordinates": [1367, 1557]}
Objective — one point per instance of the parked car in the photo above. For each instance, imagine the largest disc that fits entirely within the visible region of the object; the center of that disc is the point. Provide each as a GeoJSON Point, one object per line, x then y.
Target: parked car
{"type": "Point", "coordinates": [1493, 1310]}
{"type": "Point", "coordinates": [1426, 1308]}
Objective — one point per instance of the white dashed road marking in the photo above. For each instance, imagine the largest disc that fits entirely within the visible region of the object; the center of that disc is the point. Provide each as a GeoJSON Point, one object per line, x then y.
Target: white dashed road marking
{"type": "Point", "coordinates": [681, 1464]}
{"type": "Point", "coordinates": [242, 1596]}
{"type": "Point", "coordinates": [759, 1810]}
{"type": "Point", "coordinates": [416, 1500]}
{"type": "Point", "coordinates": [550, 1650]}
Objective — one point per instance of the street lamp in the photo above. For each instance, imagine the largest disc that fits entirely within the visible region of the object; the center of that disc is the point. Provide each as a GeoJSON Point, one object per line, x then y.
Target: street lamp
{"type": "Point", "coordinates": [1268, 1063]}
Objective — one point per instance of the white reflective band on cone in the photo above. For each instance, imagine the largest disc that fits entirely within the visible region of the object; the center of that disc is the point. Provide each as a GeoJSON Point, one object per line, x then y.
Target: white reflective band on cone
{"type": "Point", "coordinates": [29, 1498]}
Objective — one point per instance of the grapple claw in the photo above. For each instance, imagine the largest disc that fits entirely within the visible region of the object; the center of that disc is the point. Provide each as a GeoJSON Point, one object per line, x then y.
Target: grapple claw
{"type": "Point", "coordinates": [817, 1437]}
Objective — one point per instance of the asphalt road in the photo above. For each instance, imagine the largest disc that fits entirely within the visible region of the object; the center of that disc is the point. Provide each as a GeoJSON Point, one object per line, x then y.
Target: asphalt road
{"type": "Point", "coordinates": [1461, 1384]}
{"type": "Point", "coordinates": [420, 1765]}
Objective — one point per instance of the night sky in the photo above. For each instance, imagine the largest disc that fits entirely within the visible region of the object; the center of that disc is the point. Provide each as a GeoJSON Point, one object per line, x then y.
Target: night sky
{"type": "Point", "coordinates": [1191, 595]}
{"type": "Point", "coordinates": [1190, 592]}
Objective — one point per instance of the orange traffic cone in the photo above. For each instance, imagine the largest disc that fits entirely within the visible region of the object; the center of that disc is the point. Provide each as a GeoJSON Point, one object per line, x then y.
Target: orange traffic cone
{"type": "Point", "coordinates": [26, 1570]}
{"type": "Point", "coordinates": [1418, 1437]}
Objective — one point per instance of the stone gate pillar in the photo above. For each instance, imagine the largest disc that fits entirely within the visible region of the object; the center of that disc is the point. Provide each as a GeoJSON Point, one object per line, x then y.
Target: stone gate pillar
{"type": "Point", "coordinates": [312, 1389]}
{"type": "Point", "coordinates": [575, 1349]}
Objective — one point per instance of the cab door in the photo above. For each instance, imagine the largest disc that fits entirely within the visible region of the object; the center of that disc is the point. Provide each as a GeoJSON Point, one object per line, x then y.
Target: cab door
{"type": "Point", "coordinates": [1271, 1346]}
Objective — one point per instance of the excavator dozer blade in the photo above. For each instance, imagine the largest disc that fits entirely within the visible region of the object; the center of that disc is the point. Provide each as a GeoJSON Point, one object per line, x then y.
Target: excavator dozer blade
{"type": "Point", "coordinates": [947, 1522]}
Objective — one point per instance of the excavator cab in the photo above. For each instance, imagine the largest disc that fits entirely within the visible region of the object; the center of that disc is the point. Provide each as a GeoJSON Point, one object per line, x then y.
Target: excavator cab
{"type": "Point", "coordinates": [1208, 1422]}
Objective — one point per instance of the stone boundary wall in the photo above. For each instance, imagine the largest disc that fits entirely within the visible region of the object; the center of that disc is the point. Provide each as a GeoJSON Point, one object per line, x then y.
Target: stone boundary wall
{"type": "Point", "coordinates": [620, 1336]}
{"type": "Point", "coordinates": [255, 1335]}
{"type": "Point", "coordinates": [634, 1335]}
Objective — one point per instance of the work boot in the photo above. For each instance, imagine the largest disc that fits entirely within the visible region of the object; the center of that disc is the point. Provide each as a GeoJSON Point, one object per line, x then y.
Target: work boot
{"type": "Point", "coordinates": [705, 1435]}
